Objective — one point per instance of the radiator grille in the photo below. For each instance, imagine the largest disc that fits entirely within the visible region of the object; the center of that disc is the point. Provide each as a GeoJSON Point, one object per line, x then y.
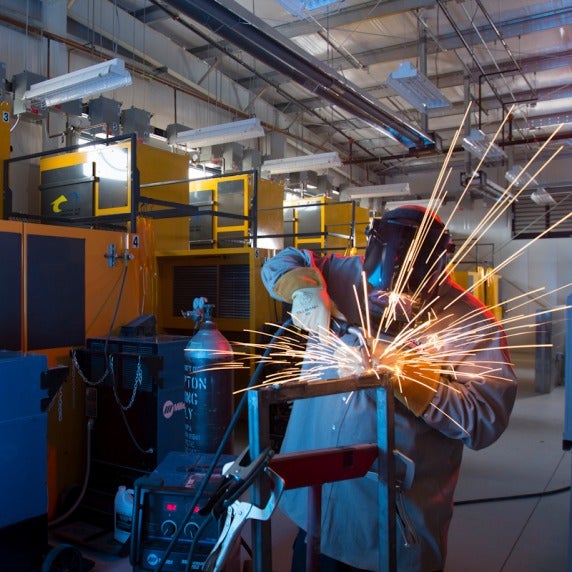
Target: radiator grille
{"type": "Point", "coordinates": [190, 282]}
{"type": "Point", "coordinates": [227, 286]}
{"type": "Point", "coordinates": [234, 299]}
{"type": "Point", "coordinates": [530, 219]}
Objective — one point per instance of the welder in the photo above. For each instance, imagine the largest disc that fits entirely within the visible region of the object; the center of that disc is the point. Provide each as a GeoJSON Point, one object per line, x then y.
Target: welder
{"type": "Point", "coordinates": [465, 401]}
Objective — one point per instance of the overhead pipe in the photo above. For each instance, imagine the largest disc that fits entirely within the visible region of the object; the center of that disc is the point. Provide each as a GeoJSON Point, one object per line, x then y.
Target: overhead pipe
{"type": "Point", "coordinates": [533, 140]}
{"type": "Point", "coordinates": [230, 21]}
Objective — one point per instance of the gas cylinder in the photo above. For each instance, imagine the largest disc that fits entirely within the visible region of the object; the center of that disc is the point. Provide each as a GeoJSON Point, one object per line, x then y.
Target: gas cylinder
{"type": "Point", "coordinates": [209, 400]}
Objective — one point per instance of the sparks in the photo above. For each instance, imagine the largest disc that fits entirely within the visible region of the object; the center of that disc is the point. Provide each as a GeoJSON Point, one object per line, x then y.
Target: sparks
{"type": "Point", "coordinates": [435, 345]}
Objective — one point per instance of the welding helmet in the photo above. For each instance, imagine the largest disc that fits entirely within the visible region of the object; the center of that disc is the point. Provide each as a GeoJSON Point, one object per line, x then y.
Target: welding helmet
{"type": "Point", "coordinates": [390, 251]}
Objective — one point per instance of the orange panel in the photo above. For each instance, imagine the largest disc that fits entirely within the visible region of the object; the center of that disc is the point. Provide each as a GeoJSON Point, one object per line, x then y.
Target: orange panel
{"type": "Point", "coordinates": [104, 311]}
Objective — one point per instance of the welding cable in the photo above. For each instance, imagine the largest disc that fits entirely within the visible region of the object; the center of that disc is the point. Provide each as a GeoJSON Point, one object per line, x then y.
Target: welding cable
{"type": "Point", "coordinates": [91, 421]}
{"type": "Point", "coordinates": [514, 497]}
{"type": "Point", "coordinates": [61, 518]}
{"type": "Point", "coordinates": [538, 495]}
{"type": "Point", "coordinates": [234, 420]}
{"type": "Point", "coordinates": [149, 450]}
{"type": "Point", "coordinates": [202, 527]}
{"type": "Point", "coordinates": [111, 372]}
{"type": "Point", "coordinates": [121, 280]}
{"type": "Point", "coordinates": [116, 309]}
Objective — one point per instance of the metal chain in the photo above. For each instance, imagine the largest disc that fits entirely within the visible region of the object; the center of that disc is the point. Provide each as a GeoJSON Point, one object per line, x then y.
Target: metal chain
{"type": "Point", "coordinates": [138, 380]}
{"type": "Point", "coordinates": [136, 385]}
{"type": "Point", "coordinates": [60, 404]}
{"type": "Point", "coordinates": [77, 367]}
{"type": "Point", "coordinates": [74, 387]}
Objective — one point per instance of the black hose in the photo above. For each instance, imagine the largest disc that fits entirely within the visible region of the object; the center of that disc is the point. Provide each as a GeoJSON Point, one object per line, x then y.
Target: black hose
{"type": "Point", "coordinates": [513, 497]}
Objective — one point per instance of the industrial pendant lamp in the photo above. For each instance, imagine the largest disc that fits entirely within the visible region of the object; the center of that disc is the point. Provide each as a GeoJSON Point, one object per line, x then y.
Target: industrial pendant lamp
{"type": "Point", "coordinates": [517, 176]}
{"type": "Point", "coordinates": [218, 134]}
{"type": "Point", "coordinates": [86, 82]}
{"type": "Point", "coordinates": [314, 162]}
{"type": "Point", "coordinates": [477, 143]}
{"type": "Point", "coordinates": [376, 191]}
{"type": "Point", "coordinates": [416, 89]}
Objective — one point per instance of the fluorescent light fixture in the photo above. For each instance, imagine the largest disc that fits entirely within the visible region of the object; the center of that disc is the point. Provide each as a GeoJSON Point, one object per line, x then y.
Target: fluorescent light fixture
{"type": "Point", "coordinates": [219, 134]}
{"type": "Point", "coordinates": [519, 177]}
{"type": "Point", "coordinates": [376, 191]}
{"type": "Point", "coordinates": [480, 182]}
{"type": "Point", "coordinates": [496, 190]}
{"type": "Point", "coordinates": [428, 203]}
{"type": "Point", "coordinates": [298, 7]}
{"type": "Point", "coordinates": [479, 145]}
{"type": "Point", "coordinates": [89, 81]}
{"type": "Point", "coordinates": [416, 89]}
{"type": "Point", "coordinates": [542, 197]}
{"type": "Point", "coordinates": [314, 162]}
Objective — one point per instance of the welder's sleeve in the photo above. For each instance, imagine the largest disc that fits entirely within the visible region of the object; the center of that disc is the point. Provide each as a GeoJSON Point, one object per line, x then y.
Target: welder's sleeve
{"type": "Point", "coordinates": [288, 271]}
{"type": "Point", "coordinates": [475, 403]}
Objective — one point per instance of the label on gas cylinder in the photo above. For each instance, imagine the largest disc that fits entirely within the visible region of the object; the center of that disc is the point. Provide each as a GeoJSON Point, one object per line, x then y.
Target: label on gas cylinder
{"type": "Point", "coordinates": [208, 408]}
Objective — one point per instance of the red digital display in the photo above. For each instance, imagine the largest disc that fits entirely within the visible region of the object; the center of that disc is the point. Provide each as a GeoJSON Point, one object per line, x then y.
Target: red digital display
{"type": "Point", "coordinates": [171, 506]}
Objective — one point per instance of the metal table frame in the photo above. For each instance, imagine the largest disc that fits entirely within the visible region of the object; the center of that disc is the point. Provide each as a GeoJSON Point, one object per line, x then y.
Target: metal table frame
{"type": "Point", "coordinates": [259, 401]}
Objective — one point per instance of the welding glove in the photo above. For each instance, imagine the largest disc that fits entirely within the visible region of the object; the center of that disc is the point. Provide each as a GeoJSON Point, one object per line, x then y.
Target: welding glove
{"type": "Point", "coordinates": [415, 380]}
{"type": "Point", "coordinates": [305, 289]}
{"type": "Point", "coordinates": [311, 309]}
{"type": "Point", "coordinates": [415, 384]}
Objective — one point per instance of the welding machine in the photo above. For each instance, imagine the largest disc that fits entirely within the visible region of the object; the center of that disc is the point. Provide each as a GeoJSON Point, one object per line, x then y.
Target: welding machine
{"type": "Point", "coordinates": [164, 510]}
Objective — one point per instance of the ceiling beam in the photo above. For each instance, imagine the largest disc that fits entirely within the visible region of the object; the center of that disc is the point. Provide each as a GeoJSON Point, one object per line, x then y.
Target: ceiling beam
{"type": "Point", "coordinates": [510, 28]}
{"type": "Point", "coordinates": [343, 17]}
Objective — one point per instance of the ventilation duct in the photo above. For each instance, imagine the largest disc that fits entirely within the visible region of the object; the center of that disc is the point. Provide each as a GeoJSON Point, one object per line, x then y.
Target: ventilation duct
{"type": "Point", "coordinates": [240, 27]}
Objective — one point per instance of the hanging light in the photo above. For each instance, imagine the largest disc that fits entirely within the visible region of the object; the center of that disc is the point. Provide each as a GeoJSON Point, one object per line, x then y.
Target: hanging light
{"type": "Point", "coordinates": [542, 197]}
{"type": "Point", "coordinates": [86, 82]}
{"type": "Point", "coordinates": [520, 178]}
{"type": "Point", "coordinates": [479, 145]}
{"type": "Point", "coordinates": [218, 134]}
{"type": "Point", "coordinates": [375, 191]}
{"type": "Point", "coordinates": [314, 162]}
{"type": "Point", "coordinates": [416, 89]}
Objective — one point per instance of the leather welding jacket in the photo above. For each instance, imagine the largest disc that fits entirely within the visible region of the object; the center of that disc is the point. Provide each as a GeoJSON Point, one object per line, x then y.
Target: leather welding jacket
{"type": "Point", "coordinates": [474, 415]}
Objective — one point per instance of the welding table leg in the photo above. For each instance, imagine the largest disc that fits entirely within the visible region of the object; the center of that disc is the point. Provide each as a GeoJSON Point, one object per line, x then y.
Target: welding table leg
{"type": "Point", "coordinates": [386, 478]}
{"type": "Point", "coordinates": [314, 528]}
{"type": "Point", "coordinates": [259, 439]}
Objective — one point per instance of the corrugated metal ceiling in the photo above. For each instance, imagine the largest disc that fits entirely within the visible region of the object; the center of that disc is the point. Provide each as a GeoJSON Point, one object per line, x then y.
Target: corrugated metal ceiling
{"type": "Point", "coordinates": [494, 53]}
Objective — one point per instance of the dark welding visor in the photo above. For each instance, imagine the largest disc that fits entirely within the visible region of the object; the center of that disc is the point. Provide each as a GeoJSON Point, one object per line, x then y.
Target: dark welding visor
{"type": "Point", "coordinates": [389, 243]}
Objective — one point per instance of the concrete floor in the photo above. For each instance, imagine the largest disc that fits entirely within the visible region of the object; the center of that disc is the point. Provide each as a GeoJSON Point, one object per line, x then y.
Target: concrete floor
{"type": "Point", "coordinates": [528, 534]}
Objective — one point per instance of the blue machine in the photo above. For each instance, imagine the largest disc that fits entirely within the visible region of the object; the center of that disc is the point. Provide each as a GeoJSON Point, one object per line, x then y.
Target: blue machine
{"type": "Point", "coordinates": [23, 455]}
